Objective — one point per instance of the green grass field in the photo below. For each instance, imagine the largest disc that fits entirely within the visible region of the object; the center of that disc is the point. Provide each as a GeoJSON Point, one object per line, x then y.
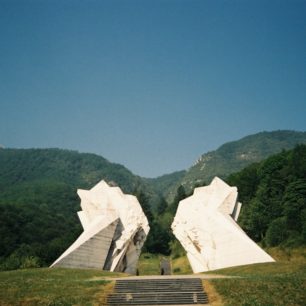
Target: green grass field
{"type": "Point", "coordinates": [54, 287]}
{"type": "Point", "coordinates": [279, 283]}
{"type": "Point", "coordinates": [181, 265]}
{"type": "Point", "coordinates": [148, 264]}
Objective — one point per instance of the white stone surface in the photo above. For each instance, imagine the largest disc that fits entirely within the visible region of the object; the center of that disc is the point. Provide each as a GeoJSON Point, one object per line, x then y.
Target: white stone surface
{"type": "Point", "coordinates": [205, 225]}
{"type": "Point", "coordinates": [115, 229]}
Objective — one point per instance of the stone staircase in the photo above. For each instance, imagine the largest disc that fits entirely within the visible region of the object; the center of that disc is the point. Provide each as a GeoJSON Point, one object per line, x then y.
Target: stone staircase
{"type": "Point", "coordinates": [167, 291]}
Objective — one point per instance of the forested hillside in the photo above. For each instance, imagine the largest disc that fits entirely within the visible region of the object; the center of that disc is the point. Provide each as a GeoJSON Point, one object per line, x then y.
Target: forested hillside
{"type": "Point", "coordinates": [38, 200]}
{"type": "Point", "coordinates": [236, 155]}
{"type": "Point", "coordinates": [81, 170]}
{"type": "Point", "coordinates": [165, 182]}
{"type": "Point", "coordinates": [273, 194]}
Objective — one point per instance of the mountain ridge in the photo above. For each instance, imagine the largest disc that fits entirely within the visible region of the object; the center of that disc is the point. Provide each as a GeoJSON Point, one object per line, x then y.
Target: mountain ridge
{"type": "Point", "coordinates": [235, 155]}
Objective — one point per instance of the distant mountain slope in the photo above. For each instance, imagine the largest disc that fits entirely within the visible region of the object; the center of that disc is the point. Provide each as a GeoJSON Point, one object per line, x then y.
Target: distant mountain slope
{"type": "Point", "coordinates": [165, 182]}
{"type": "Point", "coordinates": [234, 156]}
{"type": "Point", "coordinates": [82, 170]}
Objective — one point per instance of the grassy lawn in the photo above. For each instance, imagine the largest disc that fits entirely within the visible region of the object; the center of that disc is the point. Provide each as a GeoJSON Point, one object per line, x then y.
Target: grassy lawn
{"type": "Point", "coordinates": [280, 283]}
{"type": "Point", "coordinates": [181, 265]}
{"type": "Point", "coordinates": [148, 264]}
{"type": "Point", "coordinates": [54, 287]}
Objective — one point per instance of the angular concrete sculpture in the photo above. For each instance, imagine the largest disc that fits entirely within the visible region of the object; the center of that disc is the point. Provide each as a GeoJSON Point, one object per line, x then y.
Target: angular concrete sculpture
{"type": "Point", "coordinates": [205, 224]}
{"type": "Point", "coordinates": [115, 229]}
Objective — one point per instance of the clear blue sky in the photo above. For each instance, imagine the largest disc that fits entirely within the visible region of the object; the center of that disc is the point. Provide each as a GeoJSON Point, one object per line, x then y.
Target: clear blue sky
{"type": "Point", "coordinates": [149, 84]}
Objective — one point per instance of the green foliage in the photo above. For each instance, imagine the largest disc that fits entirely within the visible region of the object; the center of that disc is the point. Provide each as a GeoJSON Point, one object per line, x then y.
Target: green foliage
{"type": "Point", "coordinates": [177, 250]}
{"type": "Point", "coordinates": [181, 265]}
{"type": "Point", "coordinates": [30, 262]}
{"type": "Point", "coordinates": [80, 170]}
{"type": "Point", "coordinates": [160, 237]}
{"type": "Point", "coordinates": [180, 195]}
{"type": "Point", "coordinates": [294, 204]}
{"type": "Point", "coordinates": [149, 264]}
{"type": "Point", "coordinates": [277, 232]}
{"type": "Point", "coordinates": [273, 194]}
{"type": "Point", "coordinates": [20, 259]}
{"type": "Point", "coordinates": [162, 206]}
{"type": "Point", "coordinates": [163, 183]}
{"type": "Point", "coordinates": [145, 204]}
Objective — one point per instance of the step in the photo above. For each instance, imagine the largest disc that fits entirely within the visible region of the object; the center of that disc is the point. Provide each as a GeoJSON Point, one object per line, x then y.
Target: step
{"type": "Point", "coordinates": [158, 292]}
{"type": "Point", "coordinates": [163, 289]}
{"type": "Point", "coordinates": [190, 297]}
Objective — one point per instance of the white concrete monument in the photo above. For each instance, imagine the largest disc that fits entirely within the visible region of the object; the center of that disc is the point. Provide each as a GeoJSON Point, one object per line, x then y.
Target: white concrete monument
{"type": "Point", "coordinates": [205, 224]}
{"type": "Point", "coordinates": [115, 229]}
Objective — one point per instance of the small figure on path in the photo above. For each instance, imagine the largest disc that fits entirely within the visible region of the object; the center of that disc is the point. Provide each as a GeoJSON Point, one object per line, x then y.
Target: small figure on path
{"type": "Point", "coordinates": [165, 266]}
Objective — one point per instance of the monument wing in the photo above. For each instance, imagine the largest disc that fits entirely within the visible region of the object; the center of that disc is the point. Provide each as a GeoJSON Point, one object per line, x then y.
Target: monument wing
{"type": "Point", "coordinates": [115, 229]}
{"type": "Point", "coordinates": [205, 224]}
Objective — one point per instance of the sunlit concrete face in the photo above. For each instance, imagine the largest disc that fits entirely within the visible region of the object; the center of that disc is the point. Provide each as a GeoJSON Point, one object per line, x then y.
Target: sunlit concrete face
{"type": "Point", "coordinates": [205, 224]}
{"type": "Point", "coordinates": [115, 229]}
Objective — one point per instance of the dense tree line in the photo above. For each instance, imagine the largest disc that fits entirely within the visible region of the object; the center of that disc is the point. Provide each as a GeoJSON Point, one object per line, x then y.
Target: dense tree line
{"type": "Point", "coordinates": [273, 194]}
{"type": "Point", "coordinates": [37, 221]}
{"type": "Point", "coordinates": [161, 239]}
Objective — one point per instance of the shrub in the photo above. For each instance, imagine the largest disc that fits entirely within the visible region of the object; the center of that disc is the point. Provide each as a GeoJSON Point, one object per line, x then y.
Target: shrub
{"type": "Point", "coordinates": [277, 232]}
